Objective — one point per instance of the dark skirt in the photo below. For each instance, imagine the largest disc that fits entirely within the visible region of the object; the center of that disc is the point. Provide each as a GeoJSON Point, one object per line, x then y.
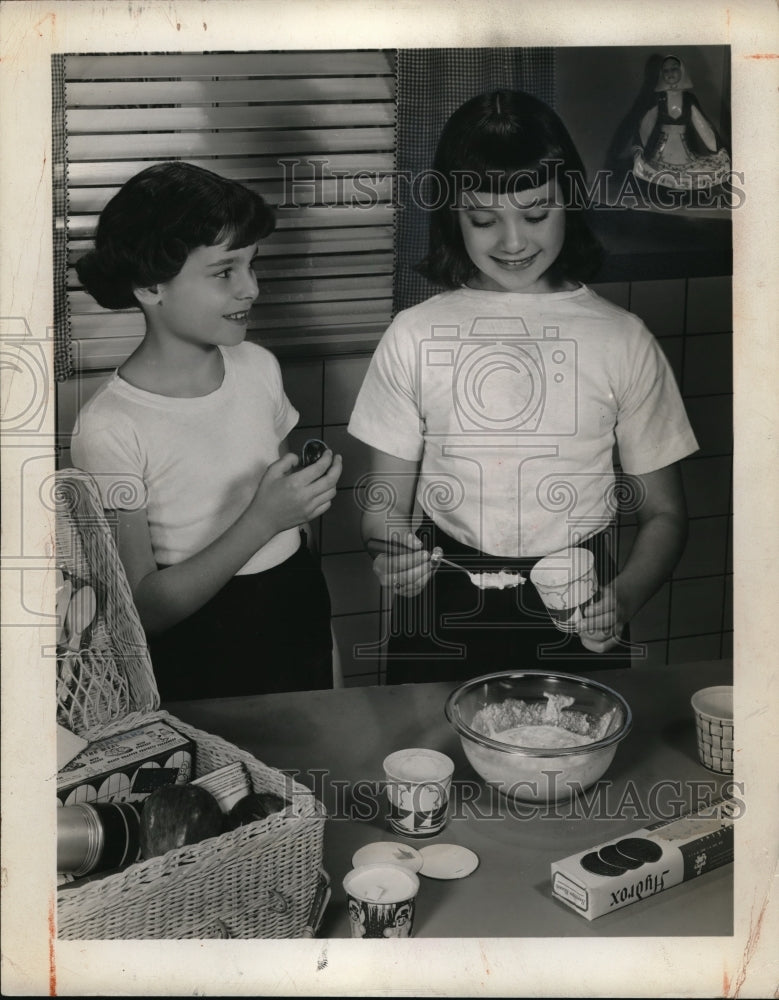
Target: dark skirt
{"type": "Point", "coordinates": [455, 631]}
{"type": "Point", "coordinates": [262, 633]}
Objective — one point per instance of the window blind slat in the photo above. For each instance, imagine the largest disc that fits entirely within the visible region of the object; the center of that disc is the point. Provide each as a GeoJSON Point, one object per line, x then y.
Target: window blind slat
{"type": "Point", "coordinates": [272, 269]}
{"type": "Point", "coordinates": [289, 242]}
{"type": "Point", "coordinates": [102, 355]}
{"type": "Point", "coordinates": [349, 338]}
{"type": "Point", "coordinates": [101, 93]}
{"type": "Point", "coordinates": [343, 264]}
{"type": "Point", "coordinates": [117, 121]}
{"type": "Point", "coordinates": [323, 291]}
{"type": "Point", "coordinates": [336, 313]}
{"type": "Point", "coordinates": [83, 226]}
{"type": "Point", "coordinates": [115, 172]}
{"type": "Point", "coordinates": [110, 325]}
{"type": "Point", "coordinates": [328, 241]}
{"type": "Point", "coordinates": [188, 144]}
{"type": "Point", "coordinates": [107, 325]}
{"type": "Point", "coordinates": [170, 65]}
{"type": "Point", "coordinates": [335, 289]}
{"type": "Point", "coordinates": [93, 199]}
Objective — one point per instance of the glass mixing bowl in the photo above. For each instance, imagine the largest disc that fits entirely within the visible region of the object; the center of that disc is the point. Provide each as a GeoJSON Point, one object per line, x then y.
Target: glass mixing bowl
{"type": "Point", "coordinates": [540, 773]}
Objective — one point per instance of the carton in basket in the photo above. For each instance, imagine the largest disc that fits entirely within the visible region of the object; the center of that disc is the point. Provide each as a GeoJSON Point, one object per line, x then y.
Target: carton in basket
{"type": "Point", "coordinates": [113, 769]}
{"type": "Point", "coordinates": [626, 870]}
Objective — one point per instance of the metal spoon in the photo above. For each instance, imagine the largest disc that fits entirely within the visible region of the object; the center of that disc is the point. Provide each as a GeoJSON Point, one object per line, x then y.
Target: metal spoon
{"type": "Point", "coordinates": [504, 579]}
{"type": "Point", "coordinates": [396, 547]}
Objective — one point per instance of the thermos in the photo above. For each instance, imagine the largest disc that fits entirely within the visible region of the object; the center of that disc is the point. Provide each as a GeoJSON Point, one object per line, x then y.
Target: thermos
{"type": "Point", "coordinates": [97, 836]}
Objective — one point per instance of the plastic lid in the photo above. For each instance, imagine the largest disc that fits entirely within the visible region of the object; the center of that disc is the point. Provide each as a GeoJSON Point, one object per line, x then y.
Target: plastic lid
{"type": "Point", "coordinates": [388, 852]}
{"type": "Point", "coordinates": [448, 861]}
{"type": "Point", "coordinates": [381, 883]}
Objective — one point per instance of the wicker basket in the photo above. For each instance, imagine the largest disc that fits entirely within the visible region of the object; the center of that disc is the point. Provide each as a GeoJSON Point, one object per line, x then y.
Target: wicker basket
{"type": "Point", "coordinates": [263, 880]}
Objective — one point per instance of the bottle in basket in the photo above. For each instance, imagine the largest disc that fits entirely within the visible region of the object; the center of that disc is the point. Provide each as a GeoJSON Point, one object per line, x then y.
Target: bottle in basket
{"type": "Point", "coordinates": [97, 836]}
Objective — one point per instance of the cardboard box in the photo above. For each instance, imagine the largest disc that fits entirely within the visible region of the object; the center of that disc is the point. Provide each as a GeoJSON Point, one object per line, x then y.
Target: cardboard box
{"type": "Point", "coordinates": [107, 770]}
{"type": "Point", "coordinates": [626, 870]}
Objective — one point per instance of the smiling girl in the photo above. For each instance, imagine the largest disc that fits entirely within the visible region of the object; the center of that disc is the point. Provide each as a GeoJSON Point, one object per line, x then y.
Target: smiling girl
{"type": "Point", "coordinates": [492, 411]}
{"type": "Point", "coordinates": [187, 443]}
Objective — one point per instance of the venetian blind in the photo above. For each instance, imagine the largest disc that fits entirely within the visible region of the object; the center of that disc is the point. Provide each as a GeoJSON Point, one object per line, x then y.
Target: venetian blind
{"type": "Point", "coordinates": [312, 132]}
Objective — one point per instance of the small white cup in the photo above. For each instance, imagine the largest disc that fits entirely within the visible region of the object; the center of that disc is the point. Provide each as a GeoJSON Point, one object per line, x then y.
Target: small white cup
{"type": "Point", "coordinates": [381, 900]}
{"type": "Point", "coordinates": [418, 786]}
{"type": "Point", "coordinates": [713, 707]}
{"type": "Point", "coordinates": [566, 582]}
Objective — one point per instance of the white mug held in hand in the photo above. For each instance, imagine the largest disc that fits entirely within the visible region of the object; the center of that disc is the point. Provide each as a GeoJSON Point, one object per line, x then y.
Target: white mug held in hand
{"type": "Point", "coordinates": [566, 582]}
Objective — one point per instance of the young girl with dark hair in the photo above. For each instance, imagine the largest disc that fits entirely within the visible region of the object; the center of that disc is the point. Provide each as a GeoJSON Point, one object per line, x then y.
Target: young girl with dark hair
{"type": "Point", "coordinates": [492, 411]}
{"type": "Point", "coordinates": [187, 443]}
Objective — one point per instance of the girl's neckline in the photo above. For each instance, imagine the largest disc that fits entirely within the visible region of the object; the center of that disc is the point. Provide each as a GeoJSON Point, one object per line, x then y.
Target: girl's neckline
{"type": "Point", "coordinates": [546, 296]}
{"type": "Point", "coordinates": [182, 400]}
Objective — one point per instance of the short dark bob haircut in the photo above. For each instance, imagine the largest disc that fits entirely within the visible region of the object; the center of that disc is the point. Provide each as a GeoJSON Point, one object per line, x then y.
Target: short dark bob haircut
{"type": "Point", "coordinates": [499, 142]}
{"type": "Point", "coordinates": [157, 218]}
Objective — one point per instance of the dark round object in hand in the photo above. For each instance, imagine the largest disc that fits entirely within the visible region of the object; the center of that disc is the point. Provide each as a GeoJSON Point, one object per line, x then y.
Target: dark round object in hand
{"type": "Point", "coordinates": [254, 806]}
{"type": "Point", "coordinates": [312, 451]}
{"type": "Point", "coordinates": [176, 815]}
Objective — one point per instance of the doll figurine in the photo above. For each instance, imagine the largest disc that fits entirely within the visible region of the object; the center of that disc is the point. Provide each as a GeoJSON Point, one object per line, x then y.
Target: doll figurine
{"type": "Point", "coordinates": [671, 133]}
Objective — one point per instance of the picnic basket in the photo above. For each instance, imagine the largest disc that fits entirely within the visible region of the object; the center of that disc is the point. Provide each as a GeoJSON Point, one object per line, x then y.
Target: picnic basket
{"type": "Point", "coordinates": [262, 880]}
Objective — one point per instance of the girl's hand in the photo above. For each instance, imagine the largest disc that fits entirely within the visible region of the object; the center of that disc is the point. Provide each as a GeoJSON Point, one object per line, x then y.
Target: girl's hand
{"type": "Point", "coordinates": [285, 498]}
{"type": "Point", "coordinates": [604, 621]}
{"type": "Point", "coordinates": [407, 573]}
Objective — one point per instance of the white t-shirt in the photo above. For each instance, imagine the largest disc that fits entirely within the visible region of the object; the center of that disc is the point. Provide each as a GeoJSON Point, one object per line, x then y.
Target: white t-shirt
{"type": "Point", "coordinates": [513, 403]}
{"type": "Point", "coordinates": [193, 463]}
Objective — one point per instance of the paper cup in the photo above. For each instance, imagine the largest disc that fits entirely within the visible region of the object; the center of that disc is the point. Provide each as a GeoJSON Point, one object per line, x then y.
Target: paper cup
{"type": "Point", "coordinates": [418, 786]}
{"type": "Point", "coordinates": [713, 707]}
{"type": "Point", "coordinates": [566, 582]}
{"type": "Point", "coordinates": [381, 900]}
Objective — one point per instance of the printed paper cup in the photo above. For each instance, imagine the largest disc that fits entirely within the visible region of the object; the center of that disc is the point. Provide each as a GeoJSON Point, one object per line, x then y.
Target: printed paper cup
{"type": "Point", "coordinates": [713, 707]}
{"type": "Point", "coordinates": [566, 582]}
{"type": "Point", "coordinates": [418, 786]}
{"type": "Point", "coordinates": [381, 900]}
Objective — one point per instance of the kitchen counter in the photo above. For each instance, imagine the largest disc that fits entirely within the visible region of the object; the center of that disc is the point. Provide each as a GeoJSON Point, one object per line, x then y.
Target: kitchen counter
{"type": "Point", "coordinates": [335, 741]}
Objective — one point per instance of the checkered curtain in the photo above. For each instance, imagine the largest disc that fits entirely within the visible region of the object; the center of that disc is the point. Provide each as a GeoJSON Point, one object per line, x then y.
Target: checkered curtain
{"type": "Point", "coordinates": [63, 361]}
{"type": "Point", "coordinates": [431, 84]}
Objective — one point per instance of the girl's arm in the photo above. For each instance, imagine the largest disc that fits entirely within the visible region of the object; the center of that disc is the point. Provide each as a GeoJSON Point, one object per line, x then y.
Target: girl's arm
{"type": "Point", "coordinates": [662, 533]}
{"type": "Point", "coordinates": [165, 596]}
{"type": "Point", "coordinates": [391, 488]}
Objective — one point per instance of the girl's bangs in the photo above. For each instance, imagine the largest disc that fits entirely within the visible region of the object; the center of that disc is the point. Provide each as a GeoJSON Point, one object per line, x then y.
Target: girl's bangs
{"type": "Point", "coordinates": [238, 222]}
{"type": "Point", "coordinates": [503, 165]}
{"type": "Point", "coordinates": [243, 231]}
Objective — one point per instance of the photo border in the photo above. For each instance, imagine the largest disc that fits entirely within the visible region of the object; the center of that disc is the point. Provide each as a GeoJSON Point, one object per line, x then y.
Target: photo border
{"type": "Point", "coordinates": [34, 962]}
